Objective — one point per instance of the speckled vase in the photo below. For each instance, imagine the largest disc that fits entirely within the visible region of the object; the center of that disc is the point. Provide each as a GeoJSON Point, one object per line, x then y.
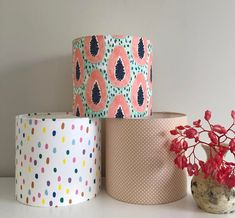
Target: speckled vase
{"type": "Point", "coordinates": [211, 196]}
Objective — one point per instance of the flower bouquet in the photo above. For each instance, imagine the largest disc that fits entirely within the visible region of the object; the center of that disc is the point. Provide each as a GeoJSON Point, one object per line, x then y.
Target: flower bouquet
{"type": "Point", "coordinates": [213, 184]}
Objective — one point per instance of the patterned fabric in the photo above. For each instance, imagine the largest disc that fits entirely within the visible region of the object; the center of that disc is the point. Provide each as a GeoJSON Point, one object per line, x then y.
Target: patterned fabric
{"type": "Point", "coordinates": [57, 159]}
{"type": "Point", "coordinates": [139, 166]}
{"type": "Point", "coordinates": [112, 76]}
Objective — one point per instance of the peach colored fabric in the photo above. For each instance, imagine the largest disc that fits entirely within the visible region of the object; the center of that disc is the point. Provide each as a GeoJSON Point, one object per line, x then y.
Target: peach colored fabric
{"type": "Point", "coordinates": [139, 166]}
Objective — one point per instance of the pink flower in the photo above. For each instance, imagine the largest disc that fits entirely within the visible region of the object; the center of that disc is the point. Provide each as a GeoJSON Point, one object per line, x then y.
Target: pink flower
{"type": "Point", "coordinates": [222, 175]}
{"type": "Point", "coordinates": [209, 167]}
{"type": "Point", "coordinates": [174, 132]}
{"type": "Point", "coordinates": [185, 145]}
{"type": "Point", "coordinates": [202, 165]}
{"type": "Point", "coordinates": [192, 169]}
{"type": "Point", "coordinates": [233, 114]}
{"type": "Point", "coordinates": [221, 141]}
{"type": "Point", "coordinates": [190, 133]}
{"type": "Point", "coordinates": [176, 146]}
{"type": "Point", "coordinates": [197, 123]}
{"type": "Point", "coordinates": [207, 115]}
{"type": "Point", "coordinates": [187, 126]}
{"type": "Point", "coordinates": [181, 161]}
{"type": "Point", "coordinates": [213, 137]}
{"type": "Point", "coordinates": [180, 128]}
{"type": "Point", "coordinates": [219, 129]}
{"type": "Point", "coordinates": [230, 182]}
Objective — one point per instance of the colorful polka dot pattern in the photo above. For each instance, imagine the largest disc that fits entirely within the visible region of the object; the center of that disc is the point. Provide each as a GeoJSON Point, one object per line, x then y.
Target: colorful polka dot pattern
{"type": "Point", "coordinates": [112, 76]}
{"type": "Point", "coordinates": [58, 159]}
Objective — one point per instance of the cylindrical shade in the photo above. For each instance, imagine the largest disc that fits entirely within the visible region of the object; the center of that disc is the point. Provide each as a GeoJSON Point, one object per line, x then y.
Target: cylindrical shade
{"type": "Point", "coordinates": [112, 76]}
{"type": "Point", "coordinates": [57, 159]}
{"type": "Point", "coordinates": [139, 165]}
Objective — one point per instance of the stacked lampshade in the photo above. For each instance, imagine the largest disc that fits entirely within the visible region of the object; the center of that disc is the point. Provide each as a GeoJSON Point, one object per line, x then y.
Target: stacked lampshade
{"type": "Point", "coordinates": [113, 79]}
{"type": "Point", "coordinates": [112, 76]}
{"type": "Point", "coordinates": [58, 155]}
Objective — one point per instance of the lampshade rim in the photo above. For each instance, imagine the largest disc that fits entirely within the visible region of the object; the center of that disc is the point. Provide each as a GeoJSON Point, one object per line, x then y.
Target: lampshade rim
{"type": "Point", "coordinates": [157, 116]}
{"type": "Point", "coordinates": [112, 35]}
{"type": "Point", "coordinates": [50, 116]}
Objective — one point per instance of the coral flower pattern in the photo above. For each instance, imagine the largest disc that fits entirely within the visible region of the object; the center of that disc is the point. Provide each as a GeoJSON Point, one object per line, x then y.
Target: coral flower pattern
{"type": "Point", "coordinates": [119, 108]}
{"type": "Point", "coordinates": [218, 139]}
{"type": "Point", "coordinates": [96, 91]}
{"type": "Point", "coordinates": [78, 106]}
{"type": "Point", "coordinates": [78, 68]}
{"type": "Point", "coordinates": [119, 67]}
{"type": "Point", "coordinates": [123, 86]}
{"type": "Point", "coordinates": [94, 48]}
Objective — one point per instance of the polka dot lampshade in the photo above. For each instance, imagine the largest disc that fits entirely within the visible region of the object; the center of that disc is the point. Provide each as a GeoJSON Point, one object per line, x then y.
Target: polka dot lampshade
{"type": "Point", "coordinates": [57, 159]}
{"type": "Point", "coordinates": [139, 166]}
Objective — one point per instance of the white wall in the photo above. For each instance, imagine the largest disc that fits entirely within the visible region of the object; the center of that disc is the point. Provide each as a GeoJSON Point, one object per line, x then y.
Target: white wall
{"type": "Point", "coordinates": [194, 54]}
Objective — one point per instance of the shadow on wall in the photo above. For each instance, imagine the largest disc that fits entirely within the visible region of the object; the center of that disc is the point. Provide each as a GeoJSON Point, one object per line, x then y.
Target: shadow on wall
{"type": "Point", "coordinates": [33, 87]}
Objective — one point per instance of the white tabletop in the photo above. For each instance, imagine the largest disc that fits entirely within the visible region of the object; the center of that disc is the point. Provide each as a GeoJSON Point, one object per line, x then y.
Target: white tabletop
{"type": "Point", "coordinates": [100, 207]}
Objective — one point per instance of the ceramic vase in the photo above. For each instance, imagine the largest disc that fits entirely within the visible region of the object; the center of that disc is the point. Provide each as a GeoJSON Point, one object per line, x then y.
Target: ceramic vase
{"type": "Point", "coordinates": [211, 196]}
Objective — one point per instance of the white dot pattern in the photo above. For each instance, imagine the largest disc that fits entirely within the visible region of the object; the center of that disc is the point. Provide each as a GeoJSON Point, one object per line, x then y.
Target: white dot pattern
{"type": "Point", "coordinates": [139, 166]}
